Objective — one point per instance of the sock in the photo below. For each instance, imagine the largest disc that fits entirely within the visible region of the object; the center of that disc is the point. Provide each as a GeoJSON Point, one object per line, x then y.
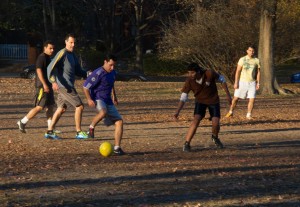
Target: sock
{"type": "Point", "coordinates": [116, 147]}
{"type": "Point", "coordinates": [24, 120]}
{"type": "Point", "coordinates": [49, 131]}
{"type": "Point", "coordinates": [248, 114]}
{"type": "Point", "coordinates": [92, 127]}
{"type": "Point", "coordinates": [48, 122]}
{"type": "Point", "coordinates": [230, 112]}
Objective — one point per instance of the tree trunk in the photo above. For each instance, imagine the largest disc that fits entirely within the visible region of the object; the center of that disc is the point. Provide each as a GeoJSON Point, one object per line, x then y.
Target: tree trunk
{"type": "Point", "coordinates": [45, 19]}
{"type": "Point", "coordinates": [266, 37]}
{"type": "Point", "coordinates": [268, 83]}
{"type": "Point", "coordinates": [138, 39]}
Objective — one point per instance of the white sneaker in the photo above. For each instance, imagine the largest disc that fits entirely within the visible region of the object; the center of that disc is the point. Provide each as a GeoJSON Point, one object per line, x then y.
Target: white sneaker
{"type": "Point", "coordinates": [248, 116]}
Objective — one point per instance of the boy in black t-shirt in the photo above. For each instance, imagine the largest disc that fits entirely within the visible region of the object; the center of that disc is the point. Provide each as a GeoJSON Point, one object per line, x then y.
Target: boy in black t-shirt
{"type": "Point", "coordinates": [44, 97]}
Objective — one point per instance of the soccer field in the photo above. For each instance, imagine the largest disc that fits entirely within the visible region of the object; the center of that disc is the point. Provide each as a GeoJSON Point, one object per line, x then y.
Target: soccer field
{"type": "Point", "coordinates": [259, 165]}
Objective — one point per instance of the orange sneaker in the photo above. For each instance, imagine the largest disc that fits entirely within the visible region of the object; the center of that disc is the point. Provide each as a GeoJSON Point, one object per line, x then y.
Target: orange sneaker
{"type": "Point", "coordinates": [229, 115]}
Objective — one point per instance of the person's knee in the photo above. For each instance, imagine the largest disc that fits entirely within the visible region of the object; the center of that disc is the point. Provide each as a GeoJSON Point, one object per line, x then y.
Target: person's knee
{"type": "Point", "coordinates": [80, 107]}
{"type": "Point", "coordinates": [197, 119]}
{"type": "Point", "coordinates": [119, 122]}
{"type": "Point", "coordinates": [103, 112]}
{"type": "Point", "coordinates": [38, 108]}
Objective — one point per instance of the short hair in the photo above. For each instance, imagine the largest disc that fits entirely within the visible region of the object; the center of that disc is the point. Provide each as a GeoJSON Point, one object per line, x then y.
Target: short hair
{"type": "Point", "coordinates": [109, 57]}
{"type": "Point", "coordinates": [47, 42]}
{"type": "Point", "coordinates": [251, 46]}
{"type": "Point", "coordinates": [69, 35]}
{"type": "Point", "coordinates": [194, 67]}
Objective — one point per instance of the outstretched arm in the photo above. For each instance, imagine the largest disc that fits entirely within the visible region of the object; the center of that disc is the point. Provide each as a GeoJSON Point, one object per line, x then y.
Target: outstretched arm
{"type": "Point", "coordinates": [222, 80]}
{"type": "Point", "coordinates": [224, 86]}
{"type": "Point", "coordinates": [183, 99]}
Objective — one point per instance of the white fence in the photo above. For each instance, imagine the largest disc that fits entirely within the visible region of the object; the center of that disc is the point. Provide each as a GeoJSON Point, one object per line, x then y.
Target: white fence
{"type": "Point", "coordinates": [13, 51]}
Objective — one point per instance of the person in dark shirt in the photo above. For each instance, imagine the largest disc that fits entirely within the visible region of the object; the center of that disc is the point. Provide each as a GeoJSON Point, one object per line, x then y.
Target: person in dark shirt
{"type": "Point", "coordinates": [203, 84]}
{"type": "Point", "coordinates": [44, 98]}
{"type": "Point", "coordinates": [100, 94]}
{"type": "Point", "coordinates": [61, 73]}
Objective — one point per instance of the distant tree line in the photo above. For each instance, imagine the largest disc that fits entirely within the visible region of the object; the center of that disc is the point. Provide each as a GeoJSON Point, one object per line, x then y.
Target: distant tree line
{"type": "Point", "coordinates": [214, 33]}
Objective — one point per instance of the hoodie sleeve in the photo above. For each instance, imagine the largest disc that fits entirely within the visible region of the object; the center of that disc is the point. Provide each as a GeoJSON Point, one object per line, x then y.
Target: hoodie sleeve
{"type": "Point", "coordinates": [51, 69]}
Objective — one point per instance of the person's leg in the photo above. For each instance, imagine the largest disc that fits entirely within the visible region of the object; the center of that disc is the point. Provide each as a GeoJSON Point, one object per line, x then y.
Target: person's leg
{"type": "Point", "coordinates": [214, 111]}
{"type": "Point", "coordinates": [199, 114]}
{"type": "Point", "coordinates": [32, 113]}
{"type": "Point", "coordinates": [56, 116]}
{"type": "Point", "coordinates": [118, 132]}
{"type": "Point", "coordinates": [98, 117]}
{"type": "Point", "coordinates": [241, 92]}
{"type": "Point", "coordinates": [250, 108]}
{"type": "Point", "coordinates": [193, 128]}
{"type": "Point", "coordinates": [215, 126]}
{"type": "Point", "coordinates": [40, 102]}
{"type": "Point", "coordinates": [215, 132]}
{"type": "Point", "coordinates": [49, 114]}
{"type": "Point", "coordinates": [251, 97]}
{"type": "Point", "coordinates": [234, 103]}
{"type": "Point", "coordinates": [78, 117]}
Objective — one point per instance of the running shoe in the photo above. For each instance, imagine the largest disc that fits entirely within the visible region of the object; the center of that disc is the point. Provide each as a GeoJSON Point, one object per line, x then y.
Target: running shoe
{"type": "Point", "coordinates": [21, 126]}
{"type": "Point", "coordinates": [229, 115]}
{"type": "Point", "coordinates": [249, 117]}
{"type": "Point", "coordinates": [57, 131]}
{"type": "Point", "coordinates": [217, 142]}
{"type": "Point", "coordinates": [186, 147]}
{"type": "Point", "coordinates": [49, 135]}
{"type": "Point", "coordinates": [91, 132]}
{"type": "Point", "coordinates": [81, 135]}
{"type": "Point", "coordinates": [119, 151]}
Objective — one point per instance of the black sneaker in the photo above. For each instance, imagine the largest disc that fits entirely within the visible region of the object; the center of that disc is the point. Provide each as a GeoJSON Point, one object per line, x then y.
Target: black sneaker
{"type": "Point", "coordinates": [186, 147]}
{"type": "Point", "coordinates": [91, 132]}
{"type": "Point", "coordinates": [21, 126]}
{"type": "Point", "coordinates": [119, 151]}
{"type": "Point", "coordinates": [217, 142]}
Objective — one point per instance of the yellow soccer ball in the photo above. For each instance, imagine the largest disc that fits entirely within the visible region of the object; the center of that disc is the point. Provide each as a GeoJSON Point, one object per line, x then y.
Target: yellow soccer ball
{"type": "Point", "coordinates": [106, 149]}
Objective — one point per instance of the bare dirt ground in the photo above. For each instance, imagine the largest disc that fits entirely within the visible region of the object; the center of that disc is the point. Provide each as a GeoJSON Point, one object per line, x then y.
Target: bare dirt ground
{"type": "Point", "coordinates": [259, 165]}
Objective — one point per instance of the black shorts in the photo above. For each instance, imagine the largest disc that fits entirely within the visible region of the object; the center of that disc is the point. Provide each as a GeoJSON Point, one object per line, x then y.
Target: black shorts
{"type": "Point", "coordinates": [44, 99]}
{"type": "Point", "coordinates": [214, 109]}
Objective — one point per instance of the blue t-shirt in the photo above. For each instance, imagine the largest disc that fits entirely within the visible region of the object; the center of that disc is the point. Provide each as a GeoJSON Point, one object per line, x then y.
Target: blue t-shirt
{"type": "Point", "coordinates": [100, 84]}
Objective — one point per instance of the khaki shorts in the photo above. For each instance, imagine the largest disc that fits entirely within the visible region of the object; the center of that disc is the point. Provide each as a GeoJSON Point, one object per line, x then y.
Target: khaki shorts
{"type": "Point", "coordinates": [68, 97]}
{"type": "Point", "coordinates": [246, 89]}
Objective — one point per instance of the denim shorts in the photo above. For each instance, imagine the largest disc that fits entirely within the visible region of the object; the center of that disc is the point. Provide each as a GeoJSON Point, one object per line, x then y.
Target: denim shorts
{"type": "Point", "coordinates": [112, 113]}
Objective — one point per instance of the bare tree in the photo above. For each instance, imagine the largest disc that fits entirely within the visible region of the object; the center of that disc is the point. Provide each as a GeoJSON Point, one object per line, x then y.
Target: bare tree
{"type": "Point", "coordinates": [214, 37]}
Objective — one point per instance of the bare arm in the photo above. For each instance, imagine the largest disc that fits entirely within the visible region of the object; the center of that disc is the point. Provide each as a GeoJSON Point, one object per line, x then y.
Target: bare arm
{"type": "Point", "coordinates": [42, 79]}
{"type": "Point", "coordinates": [179, 107]}
{"type": "Point", "coordinates": [114, 96]}
{"type": "Point", "coordinates": [183, 99]}
{"type": "Point", "coordinates": [91, 103]}
{"type": "Point", "coordinates": [237, 76]}
{"type": "Point", "coordinates": [224, 86]}
{"type": "Point", "coordinates": [258, 79]}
